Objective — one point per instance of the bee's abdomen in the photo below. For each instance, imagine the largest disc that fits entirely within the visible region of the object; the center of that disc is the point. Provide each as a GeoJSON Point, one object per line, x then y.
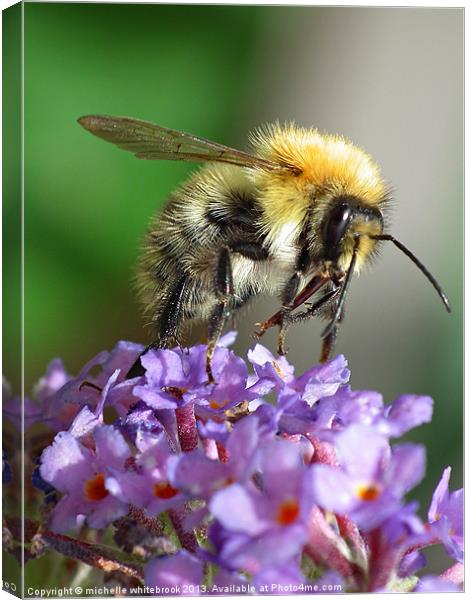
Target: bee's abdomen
{"type": "Point", "coordinates": [185, 240]}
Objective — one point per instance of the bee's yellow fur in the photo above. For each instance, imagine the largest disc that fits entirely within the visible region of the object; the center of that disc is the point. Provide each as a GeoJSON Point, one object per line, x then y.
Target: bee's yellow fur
{"type": "Point", "coordinates": [320, 167]}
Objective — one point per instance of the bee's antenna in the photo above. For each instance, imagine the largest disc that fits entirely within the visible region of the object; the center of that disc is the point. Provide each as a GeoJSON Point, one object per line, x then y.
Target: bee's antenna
{"type": "Point", "coordinates": [418, 263]}
{"type": "Point", "coordinates": [344, 290]}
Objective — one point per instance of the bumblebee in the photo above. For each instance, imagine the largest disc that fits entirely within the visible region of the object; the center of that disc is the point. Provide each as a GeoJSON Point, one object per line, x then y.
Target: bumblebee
{"type": "Point", "coordinates": [295, 217]}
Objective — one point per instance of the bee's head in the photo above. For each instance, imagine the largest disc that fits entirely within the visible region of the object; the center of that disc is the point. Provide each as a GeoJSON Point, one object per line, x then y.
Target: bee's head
{"type": "Point", "coordinates": [350, 232]}
{"type": "Point", "coordinates": [347, 219]}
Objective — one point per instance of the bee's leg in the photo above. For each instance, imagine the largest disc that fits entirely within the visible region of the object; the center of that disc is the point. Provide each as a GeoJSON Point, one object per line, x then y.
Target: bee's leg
{"type": "Point", "coordinates": [219, 315]}
{"type": "Point", "coordinates": [312, 287]}
{"type": "Point", "coordinates": [251, 250]}
{"type": "Point", "coordinates": [331, 330]}
{"type": "Point", "coordinates": [169, 321]}
{"type": "Point", "coordinates": [328, 343]}
{"type": "Point", "coordinates": [288, 296]}
{"type": "Point", "coordinates": [312, 312]}
{"type": "Point", "coordinates": [224, 292]}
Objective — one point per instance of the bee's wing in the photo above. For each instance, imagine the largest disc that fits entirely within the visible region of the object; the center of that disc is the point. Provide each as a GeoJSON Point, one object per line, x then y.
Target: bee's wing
{"type": "Point", "coordinates": [153, 142]}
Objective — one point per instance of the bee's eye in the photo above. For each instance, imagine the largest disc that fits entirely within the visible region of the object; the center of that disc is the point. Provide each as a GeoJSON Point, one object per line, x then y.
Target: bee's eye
{"type": "Point", "coordinates": [336, 224]}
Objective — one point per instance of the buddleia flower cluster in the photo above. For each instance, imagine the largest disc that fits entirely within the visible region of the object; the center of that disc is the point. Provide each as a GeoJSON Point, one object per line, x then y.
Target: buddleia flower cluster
{"type": "Point", "coordinates": [264, 482]}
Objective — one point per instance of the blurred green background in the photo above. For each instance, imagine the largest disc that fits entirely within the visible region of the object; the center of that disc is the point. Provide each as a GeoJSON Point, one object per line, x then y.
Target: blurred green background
{"type": "Point", "coordinates": [390, 79]}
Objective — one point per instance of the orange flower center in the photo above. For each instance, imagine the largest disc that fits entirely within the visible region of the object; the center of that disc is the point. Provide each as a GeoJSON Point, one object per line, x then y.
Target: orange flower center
{"type": "Point", "coordinates": [215, 405]}
{"type": "Point", "coordinates": [94, 488]}
{"type": "Point", "coordinates": [164, 490]}
{"type": "Point", "coordinates": [288, 512]}
{"type": "Point", "coordinates": [368, 493]}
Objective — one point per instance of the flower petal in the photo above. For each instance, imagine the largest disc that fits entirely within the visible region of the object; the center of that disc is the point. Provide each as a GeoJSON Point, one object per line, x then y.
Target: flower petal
{"type": "Point", "coordinates": [65, 462]}
{"type": "Point", "coordinates": [440, 495]}
{"type": "Point", "coordinates": [333, 489]}
{"type": "Point", "coordinates": [238, 510]}
{"type": "Point", "coordinates": [361, 451]}
{"type": "Point", "coordinates": [408, 411]}
{"type": "Point", "coordinates": [111, 447]}
{"type": "Point", "coordinates": [407, 468]}
{"type": "Point", "coordinates": [175, 572]}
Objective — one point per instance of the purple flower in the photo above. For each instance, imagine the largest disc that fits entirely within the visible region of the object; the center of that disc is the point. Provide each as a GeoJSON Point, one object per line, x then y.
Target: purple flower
{"type": "Point", "coordinates": [266, 524]}
{"type": "Point", "coordinates": [61, 405]}
{"type": "Point", "coordinates": [140, 418]}
{"type": "Point", "coordinates": [63, 396]}
{"type": "Point", "coordinates": [145, 483]}
{"type": "Point", "coordinates": [318, 382]}
{"type": "Point", "coordinates": [176, 575]}
{"type": "Point", "coordinates": [211, 430]}
{"type": "Point", "coordinates": [198, 475]}
{"type": "Point", "coordinates": [174, 378]}
{"type": "Point", "coordinates": [446, 516]}
{"type": "Point", "coordinates": [347, 407]}
{"type": "Point", "coordinates": [272, 493]}
{"type": "Point", "coordinates": [404, 529]}
{"type": "Point", "coordinates": [121, 357]}
{"type": "Point", "coordinates": [12, 408]}
{"type": "Point", "coordinates": [401, 536]}
{"type": "Point", "coordinates": [431, 583]}
{"type": "Point", "coordinates": [323, 380]}
{"type": "Point", "coordinates": [55, 378]}
{"type": "Point", "coordinates": [79, 472]}
{"type": "Point", "coordinates": [411, 563]}
{"type": "Point", "coordinates": [297, 398]}
{"type": "Point", "coordinates": [344, 407]}
{"type": "Point", "coordinates": [201, 476]}
{"type": "Point", "coordinates": [274, 372]}
{"type": "Point", "coordinates": [371, 479]}
{"type": "Point", "coordinates": [405, 413]}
